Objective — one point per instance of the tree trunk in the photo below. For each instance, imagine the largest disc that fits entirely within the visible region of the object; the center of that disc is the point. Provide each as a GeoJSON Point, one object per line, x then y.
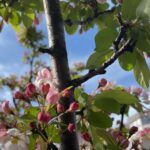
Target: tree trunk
{"type": "Point", "coordinates": [60, 68]}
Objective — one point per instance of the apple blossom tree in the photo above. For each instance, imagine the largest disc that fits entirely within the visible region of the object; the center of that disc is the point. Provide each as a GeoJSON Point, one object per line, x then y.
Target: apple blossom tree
{"type": "Point", "coordinates": [52, 111]}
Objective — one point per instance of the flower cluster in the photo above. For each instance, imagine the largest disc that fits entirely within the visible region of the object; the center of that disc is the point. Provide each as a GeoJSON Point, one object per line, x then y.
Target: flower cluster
{"type": "Point", "coordinates": [43, 93]}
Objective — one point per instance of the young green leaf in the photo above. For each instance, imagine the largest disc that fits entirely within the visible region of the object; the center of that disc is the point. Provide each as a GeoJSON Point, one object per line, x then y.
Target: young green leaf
{"type": "Point", "coordinates": [141, 71]}
{"type": "Point", "coordinates": [99, 119]}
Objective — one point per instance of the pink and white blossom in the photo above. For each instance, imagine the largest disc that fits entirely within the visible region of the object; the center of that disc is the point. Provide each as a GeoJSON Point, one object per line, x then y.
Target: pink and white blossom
{"type": "Point", "coordinates": [52, 96]}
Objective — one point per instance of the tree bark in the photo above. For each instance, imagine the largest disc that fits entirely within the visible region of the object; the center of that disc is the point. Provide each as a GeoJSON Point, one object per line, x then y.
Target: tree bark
{"type": "Point", "coordinates": [60, 67]}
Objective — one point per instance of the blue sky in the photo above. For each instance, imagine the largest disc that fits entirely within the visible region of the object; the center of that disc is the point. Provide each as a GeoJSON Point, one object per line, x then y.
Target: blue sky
{"type": "Point", "coordinates": [79, 47]}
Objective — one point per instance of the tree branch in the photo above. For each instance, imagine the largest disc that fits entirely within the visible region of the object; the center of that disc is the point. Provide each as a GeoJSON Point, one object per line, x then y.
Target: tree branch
{"type": "Point", "coordinates": [128, 46]}
{"type": "Point", "coordinates": [122, 112]}
{"type": "Point", "coordinates": [122, 33]}
{"type": "Point", "coordinates": [46, 50]}
{"type": "Point", "coordinates": [69, 22]}
{"type": "Point", "coordinates": [60, 67]}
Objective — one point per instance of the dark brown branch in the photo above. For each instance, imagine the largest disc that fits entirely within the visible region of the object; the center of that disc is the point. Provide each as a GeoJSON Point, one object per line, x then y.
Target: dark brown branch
{"type": "Point", "coordinates": [31, 69]}
{"type": "Point", "coordinates": [46, 50]}
{"type": "Point", "coordinates": [122, 33]}
{"type": "Point", "coordinates": [128, 46]}
{"type": "Point", "coordinates": [60, 68]}
{"type": "Point", "coordinates": [122, 112]}
{"type": "Point", "coordinates": [80, 112]}
{"type": "Point", "coordinates": [69, 22]}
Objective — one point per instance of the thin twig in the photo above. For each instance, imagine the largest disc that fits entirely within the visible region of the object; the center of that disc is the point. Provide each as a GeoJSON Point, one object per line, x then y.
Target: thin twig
{"type": "Point", "coordinates": [89, 19]}
{"type": "Point", "coordinates": [128, 46]}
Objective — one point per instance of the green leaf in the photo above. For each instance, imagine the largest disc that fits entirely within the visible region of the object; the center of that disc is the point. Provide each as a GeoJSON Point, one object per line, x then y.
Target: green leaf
{"type": "Point", "coordinates": [98, 58]}
{"type": "Point", "coordinates": [71, 29]}
{"type": "Point", "coordinates": [141, 71]}
{"type": "Point", "coordinates": [114, 2]}
{"type": "Point", "coordinates": [30, 113]}
{"type": "Point", "coordinates": [127, 61]}
{"type": "Point", "coordinates": [14, 18]}
{"type": "Point", "coordinates": [53, 133]}
{"type": "Point", "coordinates": [99, 134]}
{"type": "Point", "coordinates": [129, 9]}
{"type": "Point", "coordinates": [32, 144]}
{"type": "Point", "coordinates": [28, 117]}
{"type": "Point", "coordinates": [98, 142]}
{"type": "Point", "coordinates": [138, 107]}
{"type": "Point", "coordinates": [28, 19]}
{"type": "Point", "coordinates": [122, 97]}
{"type": "Point", "coordinates": [104, 39]}
{"type": "Point", "coordinates": [143, 10]}
{"type": "Point", "coordinates": [107, 104]}
{"type": "Point", "coordinates": [99, 119]}
{"type": "Point", "coordinates": [143, 45]}
{"type": "Point", "coordinates": [77, 92]}
{"type": "Point", "coordinates": [82, 99]}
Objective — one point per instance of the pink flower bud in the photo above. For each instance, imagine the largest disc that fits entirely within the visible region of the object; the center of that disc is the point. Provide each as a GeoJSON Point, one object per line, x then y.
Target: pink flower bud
{"type": "Point", "coordinates": [18, 95]}
{"type": "Point", "coordinates": [45, 73]}
{"type": "Point", "coordinates": [31, 88]}
{"type": "Point", "coordinates": [44, 117]}
{"type": "Point", "coordinates": [86, 136]}
{"type": "Point", "coordinates": [102, 82]}
{"type": "Point", "coordinates": [73, 106]}
{"type": "Point", "coordinates": [133, 130]}
{"type": "Point", "coordinates": [32, 125]}
{"type": "Point", "coordinates": [66, 93]}
{"type": "Point", "coordinates": [52, 96]}
{"type": "Point", "coordinates": [60, 108]}
{"type": "Point", "coordinates": [137, 91]}
{"type": "Point", "coordinates": [5, 107]}
{"type": "Point", "coordinates": [71, 127]}
{"type": "Point", "coordinates": [44, 88]}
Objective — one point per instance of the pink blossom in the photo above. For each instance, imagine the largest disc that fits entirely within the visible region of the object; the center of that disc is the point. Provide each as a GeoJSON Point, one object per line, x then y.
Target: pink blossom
{"type": "Point", "coordinates": [60, 108]}
{"type": "Point", "coordinates": [102, 82]}
{"type": "Point", "coordinates": [73, 106]}
{"type": "Point", "coordinates": [44, 117]}
{"type": "Point", "coordinates": [44, 73]}
{"type": "Point", "coordinates": [108, 86]}
{"type": "Point", "coordinates": [18, 95]}
{"type": "Point", "coordinates": [5, 107]}
{"type": "Point", "coordinates": [137, 91]}
{"type": "Point", "coordinates": [71, 127]}
{"type": "Point", "coordinates": [44, 76]}
{"type": "Point", "coordinates": [66, 93]}
{"type": "Point", "coordinates": [44, 88]}
{"type": "Point", "coordinates": [144, 132]}
{"type": "Point", "coordinates": [86, 136]}
{"type": "Point", "coordinates": [30, 90]}
{"type": "Point", "coordinates": [128, 90]}
{"type": "Point", "coordinates": [52, 96]}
